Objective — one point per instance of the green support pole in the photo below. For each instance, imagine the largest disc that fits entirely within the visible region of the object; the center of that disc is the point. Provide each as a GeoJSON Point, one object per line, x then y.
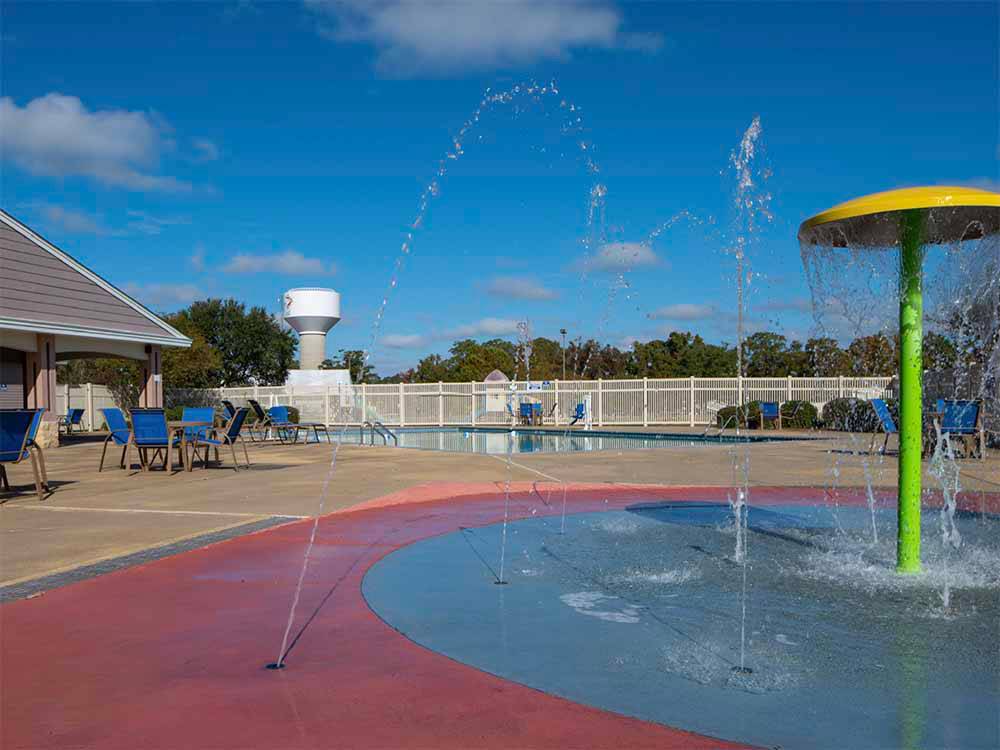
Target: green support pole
{"type": "Point", "coordinates": [910, 387]}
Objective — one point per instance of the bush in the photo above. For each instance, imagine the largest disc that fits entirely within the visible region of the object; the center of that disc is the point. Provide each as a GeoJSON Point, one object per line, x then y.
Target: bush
{"type": "Point", "coordinates": [174, 413]}
{"type": "Point", "coordinates": [794, 414]}
{"type": "Point", "coordinates": [799, 415]}
{"type": "Point", "coordinates": [853, 415]}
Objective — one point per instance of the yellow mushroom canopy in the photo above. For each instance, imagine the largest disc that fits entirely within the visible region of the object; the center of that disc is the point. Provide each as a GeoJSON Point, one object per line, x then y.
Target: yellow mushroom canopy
{"type": "Point", "coordinates": [953, 214]}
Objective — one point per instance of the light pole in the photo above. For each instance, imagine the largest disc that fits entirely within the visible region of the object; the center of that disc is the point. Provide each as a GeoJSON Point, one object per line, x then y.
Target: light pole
{"type": "Point", "coordinates": [563, 332]}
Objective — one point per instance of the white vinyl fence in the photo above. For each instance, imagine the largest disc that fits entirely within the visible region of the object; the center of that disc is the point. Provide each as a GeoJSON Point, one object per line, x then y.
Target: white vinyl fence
{"type": "Point", "coordinates": [89, 397]}
{"type": "Point", "coordinates": [679, 401]}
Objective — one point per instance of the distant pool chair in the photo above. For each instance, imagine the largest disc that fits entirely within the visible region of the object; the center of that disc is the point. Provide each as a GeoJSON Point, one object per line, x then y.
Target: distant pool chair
{"type": "Point", "coordinates": [18, 428]}
{"type": "Point", "coordinates": [71, 419]}
{"type": "Point", "coordinates": [119, 433]}
{"type": "Point", "coordinates": [150, 433]}
{"type": "Point", "coordinates": [886, 423]}
{"type": "Point", "coordinates": [580, 413]}
{"type": "Point", "coordinates": [280, 421]}
{"type": "Point", "coordinates": [525, 412]}
{"type": "Point", "coordinates": [963, 419]}
{"type": "Point", "coordinates": [229, 435]}
{"type": "Point", "coordinates": [770, 410]}
{"type": "Point", "coordinates": [193, 434]}
{"type": "Point", "coordinates": [263, 423]}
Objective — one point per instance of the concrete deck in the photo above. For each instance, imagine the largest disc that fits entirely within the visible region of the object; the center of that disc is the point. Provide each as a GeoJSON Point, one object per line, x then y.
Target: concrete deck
{"type": "Point", "coordinates": [93, 517]}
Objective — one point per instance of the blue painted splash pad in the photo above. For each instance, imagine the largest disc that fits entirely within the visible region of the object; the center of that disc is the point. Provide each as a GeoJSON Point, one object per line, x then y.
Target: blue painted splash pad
{"type": "Point", "coordinates": [638, 612]}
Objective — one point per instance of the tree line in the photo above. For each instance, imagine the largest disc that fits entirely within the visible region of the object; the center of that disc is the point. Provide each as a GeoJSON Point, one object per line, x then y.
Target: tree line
{"type": "Point", "coordinates": [233, 345]}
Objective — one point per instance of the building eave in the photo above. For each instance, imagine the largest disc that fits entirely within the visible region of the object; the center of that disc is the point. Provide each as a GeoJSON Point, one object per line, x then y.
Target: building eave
{"type": "Point", "coordinates": [61, 329]}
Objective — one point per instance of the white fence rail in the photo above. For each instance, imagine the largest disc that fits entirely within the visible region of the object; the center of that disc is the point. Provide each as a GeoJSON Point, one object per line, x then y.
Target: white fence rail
{"type": "Point", "coordinates": [680, 401]}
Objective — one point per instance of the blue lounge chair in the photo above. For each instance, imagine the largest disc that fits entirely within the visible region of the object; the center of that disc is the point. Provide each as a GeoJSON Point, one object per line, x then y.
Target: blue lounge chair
{"type": "Point", "coordinates": [193, 434]}
{"type": "Point", "coordinates": [71, 419]}
{"type": "Point", "coordinates": [150, 433]}
{"type": "Point", "coordinates": [964, 420]}
{"type": "Point", "coordinates": [283, 426]}
{"type": "Point", "coordinates": [229, 435]}
{"type": "Point", "coordinates": [119, 433]}
{"type": "Point", "coordinates": [886, 422]}
{"type": "Point", "coordinates": [580, 413]}
{"type": "Point", "coordinates": [230, 409]}
{"type": "Point", "coordinates": [18, 428]}
{"type": "Point", "coordinates": [770, 410]}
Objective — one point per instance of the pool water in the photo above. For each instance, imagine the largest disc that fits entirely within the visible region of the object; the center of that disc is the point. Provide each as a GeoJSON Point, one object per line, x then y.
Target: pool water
{"type": "Point", "coordinates": [499, 441]}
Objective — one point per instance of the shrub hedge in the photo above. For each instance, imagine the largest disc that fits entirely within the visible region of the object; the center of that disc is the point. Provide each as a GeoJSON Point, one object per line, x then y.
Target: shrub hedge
{"type": "Point", "coordinates": [794, 415]}
{"type": "Point", "coordinates": [853, 415]}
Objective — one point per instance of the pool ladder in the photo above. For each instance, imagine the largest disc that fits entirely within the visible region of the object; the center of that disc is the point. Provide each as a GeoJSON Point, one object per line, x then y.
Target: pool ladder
{"type": "Point", "coordinates": [377, 427]}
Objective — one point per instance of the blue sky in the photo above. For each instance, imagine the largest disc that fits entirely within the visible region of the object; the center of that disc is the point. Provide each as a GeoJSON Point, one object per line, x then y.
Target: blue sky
{"type": "Point", "coordinates": [239, 149]}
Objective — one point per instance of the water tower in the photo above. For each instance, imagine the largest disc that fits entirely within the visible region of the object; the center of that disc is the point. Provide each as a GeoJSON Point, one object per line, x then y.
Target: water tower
{"type": "Point", "coordinates": [312, 312]}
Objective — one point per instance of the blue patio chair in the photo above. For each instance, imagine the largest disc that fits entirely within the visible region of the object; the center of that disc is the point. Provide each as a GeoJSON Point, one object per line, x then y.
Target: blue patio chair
{"type": "Point", "coordinates": [263, 423]}
{"type": "Point", "coordinates": [197, 414]}
{"type": "Point", "coordinates": [118, 432]}
{"type": "Point", "coordinates": [580, 413]}
{"type": "Point", "coordinates": [770, 410]}
{"type": "Point", "coordinates": [886, 423]}
{"type": "Point", "coordinates": [18, 428]}
{"type": "Point", "coordinates": [229, 435]}
{"type": "Point", "coordinates": [524, 412]}
{"type": "Point", "coordinates": [963, 419]}
{"type": "Point", "coordinates": [71, 419]}
{"type": "Point", "coordinates": [150, 433]}
{"type": "Point", "coordinates": [284, 427]}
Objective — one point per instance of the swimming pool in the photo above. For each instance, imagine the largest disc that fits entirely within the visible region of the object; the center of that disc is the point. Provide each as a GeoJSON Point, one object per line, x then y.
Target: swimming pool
{"type": "Point", "coordinates": [498, 441]}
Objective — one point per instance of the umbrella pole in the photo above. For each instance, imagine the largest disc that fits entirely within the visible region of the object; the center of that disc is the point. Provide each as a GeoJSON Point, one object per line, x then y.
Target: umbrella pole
{"type": "Point", "coordinates": [910, 387]}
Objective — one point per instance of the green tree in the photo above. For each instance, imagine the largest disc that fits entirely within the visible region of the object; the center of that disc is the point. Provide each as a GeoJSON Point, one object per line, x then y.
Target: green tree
{"type": "Point", "coordinates": [352, 360]}
{"type": "Point", "coordinates": [199, 366]}
{"type": "Point", "coordinates": [826, 358]}
{"type": "Point", "coordinates": [252, 346]}
{"type": "Point", "coordinates": [872, 355]}
{"type": "Point", "coordinates": [939, 352]}
{"type": "Point", "coordinates": [764, 355]}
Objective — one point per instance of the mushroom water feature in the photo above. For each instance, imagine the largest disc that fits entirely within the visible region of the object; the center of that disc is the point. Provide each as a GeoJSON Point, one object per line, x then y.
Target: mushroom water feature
{"type": "Point", "coordinates": [908, 221]}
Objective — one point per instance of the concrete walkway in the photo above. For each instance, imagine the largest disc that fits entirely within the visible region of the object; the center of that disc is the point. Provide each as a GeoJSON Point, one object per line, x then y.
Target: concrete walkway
{"type": "Point", "coordinates": [91, 517]}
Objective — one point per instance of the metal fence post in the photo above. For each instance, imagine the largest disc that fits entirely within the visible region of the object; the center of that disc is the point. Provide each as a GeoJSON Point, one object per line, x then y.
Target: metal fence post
{"type": "Point", "coordinates": [326, 406]}
{"type": "Point", "coordinates": [402, 406]}
{"type": "Point", "coordinates": [739, 390]}
{"type": "Point", "coordinates": [600, 402]}
{"type": "Point", "coordinates": [364, 402]}
{"type": "Point", "coordinates": [472, 420]}
{"type": "Point", "coordinates": [91, 426]}
{"type": "Point", "coordinates": [691, 402]}
{"type": "Point", "coordinates": [840, 386]}
{"type": "Point", "coordinates": [440, 404]}
{"type": "Point", "coordinates": [789, 396]}
{"type": "Point", "coordinates": [645, 402]}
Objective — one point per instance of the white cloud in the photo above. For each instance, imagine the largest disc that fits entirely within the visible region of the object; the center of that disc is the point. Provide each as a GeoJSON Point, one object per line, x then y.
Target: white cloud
{"type": "Point", "coordinates": [160, 295]}
{"type": "Point", "coordinates": [462, 35]}
{"type": "Point", "coordinates": [288, 262]}
{"type": "Point", "coordinates": [143, 223]}
{"type": "Point", "coordinates": [197, 259]}
{"type": "Point", "coordinates": [485, 327]}
{"type": "Point", "coordinates": [517, 287]}
{"type": "Point", "coordinates": [205, 150]}
{"type": "Point", "coordinates": [72, 221]}
{"type": "Point", "coordinates": [403, 340]}
{"type": "Point", "coordinates": [57, 136]}
{"type": "Point", "coordinates": [795, 304]}
{"type": "Point", "coordinates": [618, 257]}
{"type": "Point", "coordinates": [685, 311]}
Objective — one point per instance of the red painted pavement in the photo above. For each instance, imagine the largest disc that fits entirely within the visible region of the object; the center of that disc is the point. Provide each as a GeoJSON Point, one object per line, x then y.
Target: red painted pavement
{"type": "Point", "coordinates": [171, 654]}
